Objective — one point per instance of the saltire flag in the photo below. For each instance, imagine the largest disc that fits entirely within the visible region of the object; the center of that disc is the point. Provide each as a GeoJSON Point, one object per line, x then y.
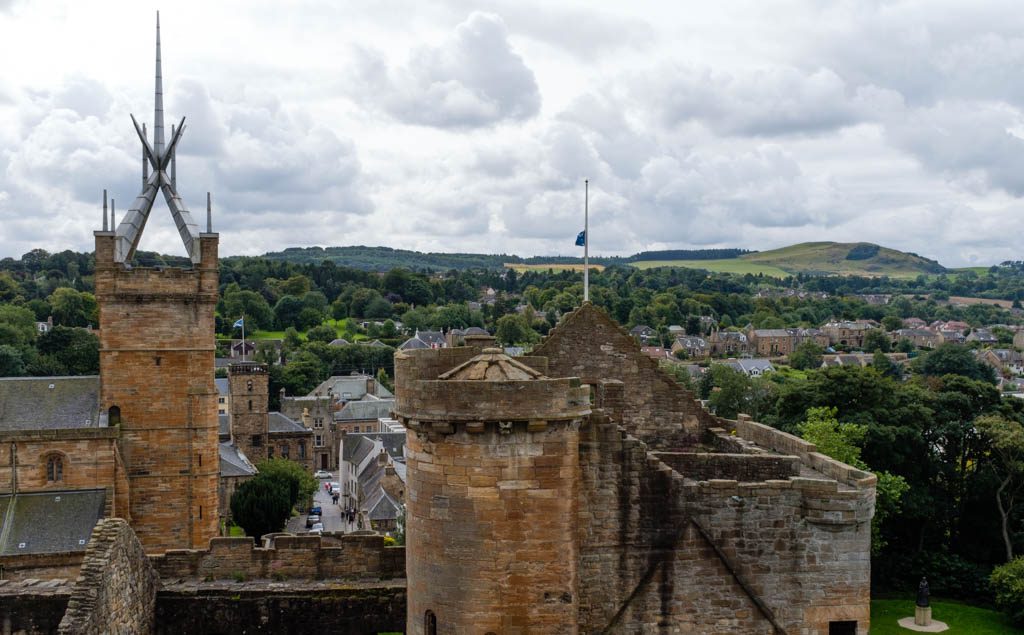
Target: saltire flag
{"type": "Point", "coordinates": [581, 238]}
{"type": "Point", "coordinates": [239, 323]}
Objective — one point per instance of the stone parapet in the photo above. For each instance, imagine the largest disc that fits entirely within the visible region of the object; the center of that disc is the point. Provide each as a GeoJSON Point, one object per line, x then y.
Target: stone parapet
{"type": "Point", "coordinates": [303, 557]}
{"type": "Point", "coordinates": [745, 468]}
{"type": "Point", "coordinates": [41, 566]}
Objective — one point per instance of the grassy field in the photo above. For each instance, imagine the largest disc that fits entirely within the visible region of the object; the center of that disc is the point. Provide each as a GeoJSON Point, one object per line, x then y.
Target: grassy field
{"type": "Point", "coordinates": [829, 257]}
{"type": "Point", "coordinates": [962, 618]}
{"type": "Point", "coordinates": [520, 268]}
{"type": "Point", "coordinates": [731, 265]}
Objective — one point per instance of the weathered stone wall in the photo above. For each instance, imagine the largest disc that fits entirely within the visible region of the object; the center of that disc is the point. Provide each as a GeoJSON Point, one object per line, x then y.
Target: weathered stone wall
{"type": "Point", "coordinates": [226, 609]}
{"type": "Point", "coordinates": [590, 345]}
{"type": "Point", "coordinates": [116, 589]}
{"type": "Point", "coordinates": [156, 366]}
{"type": "Point", "coordinates": [490, 529]}
{"type": "Point", "coordinates": [745, 468]}
{"type": "Point", "coordinates": [658, 549]}
{"type": "Point", "coordinates": [348, 557]}
{"type": "Point", "coordinates": [41, 566]}
{"type": "Point", "coordinates": [288, 445]}
{"type": "Point", "coordinates": [31, 606]}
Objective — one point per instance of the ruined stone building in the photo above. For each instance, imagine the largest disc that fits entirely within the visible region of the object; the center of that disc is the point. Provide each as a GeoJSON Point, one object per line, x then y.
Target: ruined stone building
{"type": "Point", "coordinates": [582, 490]}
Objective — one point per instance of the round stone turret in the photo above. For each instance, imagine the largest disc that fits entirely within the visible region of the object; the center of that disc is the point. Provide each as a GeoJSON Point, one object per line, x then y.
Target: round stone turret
{"type": "Point", "coordinates": [493, 470]}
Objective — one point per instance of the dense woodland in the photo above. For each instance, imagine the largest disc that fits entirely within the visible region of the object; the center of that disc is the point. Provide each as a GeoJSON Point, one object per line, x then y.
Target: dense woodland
{"type": "Point", "coordinates": [949, 445]}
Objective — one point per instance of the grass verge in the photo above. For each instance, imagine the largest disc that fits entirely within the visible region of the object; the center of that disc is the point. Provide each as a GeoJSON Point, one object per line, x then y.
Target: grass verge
{"type": "Point", "coordinates": [962, 618]}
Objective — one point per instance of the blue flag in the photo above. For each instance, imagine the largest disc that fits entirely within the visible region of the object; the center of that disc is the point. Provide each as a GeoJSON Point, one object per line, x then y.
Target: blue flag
{"type": "Point", "coordinates": [581, 239]}
{"type": "Point", "coordinates": [239, 323]}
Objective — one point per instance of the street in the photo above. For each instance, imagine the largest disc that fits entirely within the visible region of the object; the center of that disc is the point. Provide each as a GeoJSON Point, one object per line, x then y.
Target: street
{"type": "Point", "coordinates": [331, 517]}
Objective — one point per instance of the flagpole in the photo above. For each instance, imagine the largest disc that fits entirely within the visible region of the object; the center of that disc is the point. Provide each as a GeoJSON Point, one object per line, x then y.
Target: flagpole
{"type": "Point", "coordinates": [243, 337]}
{"type": "Point", "coordinates": [586, 240]}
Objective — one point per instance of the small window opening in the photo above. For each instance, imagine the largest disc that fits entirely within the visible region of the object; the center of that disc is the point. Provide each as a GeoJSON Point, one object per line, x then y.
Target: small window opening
{"type": "Point", "coordinates": [54, 469]}
{"type": "Point", "coordinates": [157, 360]}
{"type": "Point", "coordinates": [250, 404]}
{"type": "Point", "coordinates": [842, 627]}
{"type": "Point", "coordinates": [114, 415]}
{"type": "Point", "coordinates": [430, 623]}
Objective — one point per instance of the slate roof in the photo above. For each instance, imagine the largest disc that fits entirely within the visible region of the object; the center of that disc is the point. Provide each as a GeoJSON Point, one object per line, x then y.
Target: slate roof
{"type": "Point", "coordinates": [49, 403]}
{"type": "Point", "coordinates": [491, 365]}
{"type": "Point", "coordinates": [233, 461]}
{"type": "Point", "coordinates": [380, 504]}
{"type": "Point", "coordinates": [413, 343]}
{"type": "Point", "coordinates": [393, 442]}
{"type": "Point", "coordinates": [281, 424]}
{"type": "Point", "coordinates": [355, 447]}
{"type": "Point", "coordinates": [223, 387]}
{"type": "Point", "coordinates": [749, 365]}
{"type": "Point", "coordinates": [49, 522]}
{"type": "Point", "coordinates": [365, 410]}
{"type": "Point", "coordinates": [224, 424]}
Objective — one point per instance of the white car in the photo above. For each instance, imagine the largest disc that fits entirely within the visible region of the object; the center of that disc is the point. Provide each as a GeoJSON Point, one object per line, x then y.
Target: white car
{"type": "Point", "coordinates": [323, 474]}
{"type": "Point", "coordinates": [318, 528]}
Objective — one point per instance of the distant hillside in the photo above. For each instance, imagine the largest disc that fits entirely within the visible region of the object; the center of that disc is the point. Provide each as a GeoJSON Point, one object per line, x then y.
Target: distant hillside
{"type": "Point", "coordinates": [846, 259]}
{"type": "Point", "coordinates": [823, 258]}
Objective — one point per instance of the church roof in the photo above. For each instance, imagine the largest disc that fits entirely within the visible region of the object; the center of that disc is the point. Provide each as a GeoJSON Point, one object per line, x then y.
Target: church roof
{"type": "Point", "coordinates": [492, 365]}
{"type": "Point", "coordinates": [282, 424]}
{"type": "Point", "coordinates": [49, 522]}
{"type": "Point", "coordinates": [49, 403]}
{"type": "Point", "coordinates": [233, 461]}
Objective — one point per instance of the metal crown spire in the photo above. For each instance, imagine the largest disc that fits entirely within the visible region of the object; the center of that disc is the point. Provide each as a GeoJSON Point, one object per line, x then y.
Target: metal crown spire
{"type": "Point", "coordinates": [158, 157]}
{"type": "Point", "coordinates": [158, 107]}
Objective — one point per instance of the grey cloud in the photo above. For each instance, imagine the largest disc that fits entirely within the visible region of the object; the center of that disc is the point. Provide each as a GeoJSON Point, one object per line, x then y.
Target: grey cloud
{"type": "Point", "coordinates": [969, 142]}
{"type": "Point", "coordinates": [764, 102]}
{"type": "Point", "coordinates": [473, 79]}
{"type": "Point", "coordinates": [204, 132]}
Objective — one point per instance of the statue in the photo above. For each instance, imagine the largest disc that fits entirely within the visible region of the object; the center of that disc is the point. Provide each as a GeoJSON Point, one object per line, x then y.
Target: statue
{"type": "Point", "coordinates": [922, 593]}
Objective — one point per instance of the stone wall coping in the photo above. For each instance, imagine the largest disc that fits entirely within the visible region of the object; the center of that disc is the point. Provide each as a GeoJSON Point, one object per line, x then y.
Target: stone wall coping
{"type": "Point", "coordinates": [61, 434]}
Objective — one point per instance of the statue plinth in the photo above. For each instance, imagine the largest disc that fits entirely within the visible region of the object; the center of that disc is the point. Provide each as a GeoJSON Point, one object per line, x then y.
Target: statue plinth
{"type": "Point", "coordinates": [923, 615]}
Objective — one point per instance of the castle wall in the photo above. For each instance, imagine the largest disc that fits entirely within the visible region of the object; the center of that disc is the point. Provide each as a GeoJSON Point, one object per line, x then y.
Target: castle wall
{"type": "Point", "coordinates": [490, 530]}
{"type": "Point", "coordinates": [31, 606]}
{"type": "Point", "coordinates": [116, 589]}
{"type": "Point", "coordinates": [229, 608]}
{"type": "Point", "coordinates": [590, 345]}
{"type": "Point", "coordinates": [659, 548]}
{"type": "Point", "coordinates": [42, 566]}
{"type": "Point", "coordinates": [348, 557]}
{"type": "Point", "coordinates": [156, 366]}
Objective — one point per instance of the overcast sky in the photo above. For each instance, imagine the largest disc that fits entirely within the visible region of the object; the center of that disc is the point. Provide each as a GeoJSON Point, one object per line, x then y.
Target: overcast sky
{"type": "Point", "coordinates": [470, 126]}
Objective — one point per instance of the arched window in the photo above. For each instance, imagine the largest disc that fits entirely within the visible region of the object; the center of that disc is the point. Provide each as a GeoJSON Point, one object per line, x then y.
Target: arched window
{"type": "Point", "coordinates": [54, 468]}
{"type": "Point", "coordinates": [430, 623]}
{"type": "Point", "coordinates": [114, 415]}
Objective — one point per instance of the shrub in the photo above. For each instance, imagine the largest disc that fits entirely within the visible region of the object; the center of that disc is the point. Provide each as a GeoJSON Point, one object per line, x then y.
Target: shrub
{"type": "Point", "coordinates": [1008, 583]}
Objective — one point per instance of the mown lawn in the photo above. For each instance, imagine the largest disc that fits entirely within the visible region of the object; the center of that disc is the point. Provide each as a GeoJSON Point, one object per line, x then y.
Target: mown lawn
{"type": "Point", "coordinates": [962, 618]}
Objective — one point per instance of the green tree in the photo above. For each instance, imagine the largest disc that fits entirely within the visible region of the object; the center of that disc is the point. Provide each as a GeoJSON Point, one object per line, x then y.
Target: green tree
{"type": "Point", "coordinates": [731, 394]}
{"type": "Point", "coordinates": [250, 304]}
{"type": "Point", "coordinates": [952, 359]}
{"type": "Point", "coordinates": [1007, 441]}
{"type": "Point", "coordinates": [892, 323]}
{"type": "Point", "coordinates": [876, 340]}
{"type": "Point", "coordinates": [301, 484]}
{"type": "Point", "coordinates": [261, 505]}
{"type": "Point", "coordinates": [513, 329]}
{"type": "Point", "coordinates": [806, 355]}
{"type": "Point", "coordinates": [287, 310]}
{"type": "Point", "coordinates": [74, 308]}
{"type": "Point", "coordinates": [11, 362]}
{"type": "Point", "coordinates": [322, 333]}
{"type": "Point", "coordinates": [75, 349]}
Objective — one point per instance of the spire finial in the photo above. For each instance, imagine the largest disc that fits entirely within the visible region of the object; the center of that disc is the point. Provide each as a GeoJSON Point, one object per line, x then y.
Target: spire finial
{"type": "Point", "coordinates": [104, 210]}
{"type": "Point", "coordinates": [158, 108]}
{"type": "Point", "coordinates": [112, 223]}
{"type": "Point", "coordinates": [209, 214]}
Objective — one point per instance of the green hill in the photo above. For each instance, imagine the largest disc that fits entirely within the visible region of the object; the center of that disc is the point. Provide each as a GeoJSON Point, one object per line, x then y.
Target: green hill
{"type": "Point", "coordinates": [845, 259]}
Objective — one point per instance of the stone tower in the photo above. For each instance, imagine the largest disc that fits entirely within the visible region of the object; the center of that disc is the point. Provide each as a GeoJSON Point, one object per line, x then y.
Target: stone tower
{"type": "Point", "coordinates": [250, 422]}
{"type": "Point", "coordinates": [156, 359]}
{"type": "Point", "coordinates": [493, 471]}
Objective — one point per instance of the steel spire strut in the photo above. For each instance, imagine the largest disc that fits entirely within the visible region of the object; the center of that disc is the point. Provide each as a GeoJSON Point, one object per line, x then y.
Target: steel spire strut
{"type": "Point", "coordinates": [159, 157]}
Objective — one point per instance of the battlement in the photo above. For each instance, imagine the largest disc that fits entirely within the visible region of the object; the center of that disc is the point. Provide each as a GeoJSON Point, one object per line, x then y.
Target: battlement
{"type": "Point", "coordinates": [247, 368]}
{"type": "Point", "coordinates": [305, 557]}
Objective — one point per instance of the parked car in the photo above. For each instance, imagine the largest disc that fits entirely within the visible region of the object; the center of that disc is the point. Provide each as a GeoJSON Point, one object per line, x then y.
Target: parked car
{"type": "Point", "coordinates": [323, 474]}
{"type": "Point", "coordinates": [311, 520]}
{"type": "Point", "coordinates": [316, 510]}
{"type": "Point", "coordinates": [333, 487]}
{"type": "Point", "coordinates": [318, 528]}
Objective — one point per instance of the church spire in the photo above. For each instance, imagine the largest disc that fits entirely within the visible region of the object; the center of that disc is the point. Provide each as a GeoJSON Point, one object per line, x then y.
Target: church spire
{"type": "Point", "coordinates": [158, 107]}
